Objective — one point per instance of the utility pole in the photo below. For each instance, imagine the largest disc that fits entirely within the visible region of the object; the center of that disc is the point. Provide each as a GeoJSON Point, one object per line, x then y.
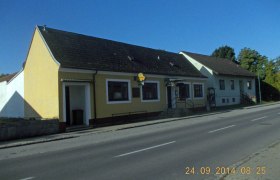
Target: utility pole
{"type": "Point", "coordinates": [259, 87]}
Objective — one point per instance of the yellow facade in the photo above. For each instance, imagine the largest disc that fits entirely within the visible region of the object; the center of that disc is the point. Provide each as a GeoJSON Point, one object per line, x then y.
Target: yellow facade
{"type": "Point", "coordinates": [105, 109]}
{"type": "Point", "coordinates": [44, 94]}
{"type": "Point", "coordinates": [74, 76]}
{"type": "Point", "coordinates": [40, 81]}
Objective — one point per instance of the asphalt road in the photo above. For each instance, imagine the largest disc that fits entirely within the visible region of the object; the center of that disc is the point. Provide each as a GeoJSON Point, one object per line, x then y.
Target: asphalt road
{"type": "Point", "coordinates": [164, 153]}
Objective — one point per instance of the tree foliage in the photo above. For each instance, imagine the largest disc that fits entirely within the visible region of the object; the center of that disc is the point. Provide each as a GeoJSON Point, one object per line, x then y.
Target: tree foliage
{"type": "Point", "coordinates": [253, 61]}
{"type": "Point", "coordinates": [272, 72]}
{"type": "Point", "coordinates": [225, 52]}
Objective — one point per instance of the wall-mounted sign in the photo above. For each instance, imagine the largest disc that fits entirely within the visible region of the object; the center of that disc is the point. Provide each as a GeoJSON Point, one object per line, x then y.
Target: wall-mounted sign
{"type": "Point", "coordinates": [140, 79]}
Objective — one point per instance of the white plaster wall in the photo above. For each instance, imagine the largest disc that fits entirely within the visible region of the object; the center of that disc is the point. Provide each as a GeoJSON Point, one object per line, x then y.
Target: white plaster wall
{"type": "Point", "coordinates": [228, 94]}
{"type": "Point", "coordinates": [250, 92]}
{"type": "Point", "coordinates": [3, 89]}
{"type": "Point", "coordinates": [12, 97]}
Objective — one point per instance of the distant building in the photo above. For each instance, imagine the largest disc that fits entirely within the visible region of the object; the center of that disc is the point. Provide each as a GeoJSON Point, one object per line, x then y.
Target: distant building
{"type": "Point", "coordinates": [12, 95]}
{"type": "Point", "coordinates": [231, 83]}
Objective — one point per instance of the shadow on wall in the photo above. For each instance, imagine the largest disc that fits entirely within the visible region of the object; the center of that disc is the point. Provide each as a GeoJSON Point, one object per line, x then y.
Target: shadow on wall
{"type": "Point", "coordinates": [16, 107]}
{"type": "Point", "coordinates": [209, 76]}
{"type": "Point", "coordinates": [205, 72]}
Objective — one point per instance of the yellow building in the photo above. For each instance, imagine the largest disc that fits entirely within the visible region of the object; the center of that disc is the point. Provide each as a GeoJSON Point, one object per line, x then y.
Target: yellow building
{"type": "Point", "coordinates": [83, 80]}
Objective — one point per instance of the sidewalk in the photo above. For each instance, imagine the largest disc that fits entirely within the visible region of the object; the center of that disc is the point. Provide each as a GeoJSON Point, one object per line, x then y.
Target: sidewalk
{"type": "Point", "coordinates": [56, 137]}
{"type": "Point", "coordinates": [264, 164]}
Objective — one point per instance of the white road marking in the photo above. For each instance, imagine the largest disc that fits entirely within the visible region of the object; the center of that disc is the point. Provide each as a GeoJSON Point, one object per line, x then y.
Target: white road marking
{"type": "Point", "coordinates": [145, 149]}
{"type": "Point", "coordinates": [258, 118]}
{"type": "Point", "coordinates": [221, 128]}
{"type": "Point", "coordinates": [28, 178]}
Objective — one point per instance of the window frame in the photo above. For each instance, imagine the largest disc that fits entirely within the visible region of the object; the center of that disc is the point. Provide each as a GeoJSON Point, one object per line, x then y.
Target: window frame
{"type": "Point", "coordinates": [232, 84]}
{"type": "Point", "coordinates": [249, 84]}
{"type": "Point", "coordinates": [129, 91]}
{"type": "Point", "coordinates": [203, 93]}
{"type": "Point", "coordinates": [190, 95]}
{"type": "Point", "coordinates": [224, 88]}
{"type": "Point", "coordinates": [158, 92]}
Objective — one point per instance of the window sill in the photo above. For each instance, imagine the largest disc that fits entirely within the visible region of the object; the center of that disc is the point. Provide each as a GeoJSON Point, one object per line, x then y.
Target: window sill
{"type": "Point", "coordinates": [118, 102]}
{"type": "Point", "coordinates": [156, 100]}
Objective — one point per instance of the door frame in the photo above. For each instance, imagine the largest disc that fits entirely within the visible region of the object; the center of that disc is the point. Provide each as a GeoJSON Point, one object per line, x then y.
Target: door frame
{"type": "Point", "coordinates": [171, 97]}
{"type": "Point", "coordinates": [87, 99]}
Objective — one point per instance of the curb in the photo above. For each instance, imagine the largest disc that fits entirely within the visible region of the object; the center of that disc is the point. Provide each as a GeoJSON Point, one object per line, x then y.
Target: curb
{"type": "Point", "coordinates": [34, 142]}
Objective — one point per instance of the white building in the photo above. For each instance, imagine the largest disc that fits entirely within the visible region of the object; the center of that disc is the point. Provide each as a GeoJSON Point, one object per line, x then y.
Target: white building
{"type": "Point", "coordinates": [231, 83]}
{"type": "Point", "coordinates": [12, 95]}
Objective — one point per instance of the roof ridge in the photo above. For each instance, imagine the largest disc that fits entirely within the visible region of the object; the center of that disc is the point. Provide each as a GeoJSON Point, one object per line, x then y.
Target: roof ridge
{"type": "Point", "coordinates": [208, 56]}
{"type": "Point", "coordinates": [220, 64]}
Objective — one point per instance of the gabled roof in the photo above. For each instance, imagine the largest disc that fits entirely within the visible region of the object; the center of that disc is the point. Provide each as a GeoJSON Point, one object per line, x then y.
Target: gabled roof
{"type": "Point", "coordinates": [78, 51]}
{"type": "Point", "coordinates": [8, 77]}
{"type": "Point", "coordinates": [220, 66]}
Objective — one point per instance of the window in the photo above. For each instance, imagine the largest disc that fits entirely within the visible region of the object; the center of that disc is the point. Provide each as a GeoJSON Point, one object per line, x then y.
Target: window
{"type": "Point", "coordinates": [223, 100]}
{"type": "Point", "coordinates": [222, 84]}
{"type": "Point", "coordinates": [198, 90]}
{"type": "Point", "coordinates": [118, 91]}
{"type": "Point", "coordinates": [233, 99]}
{"type": "Point", "coordinates": [150, 91]}
{"type": "Point", "coordinates": [184, 91]}
{"type": "Point", "coordinates": [232, 84]}
{"type": "Point", "coordinates": [249, 84]}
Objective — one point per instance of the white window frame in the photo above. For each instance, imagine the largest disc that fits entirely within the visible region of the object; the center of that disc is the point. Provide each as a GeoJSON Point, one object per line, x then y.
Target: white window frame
{"type": "Point", "coordinates": [118, 102]}
{"type": "Point", "coordinates": [203, 93]}
{"type": "Point", "coordinates": [158, 92]}
{"type": "Point", "coordinates": [190, 94]}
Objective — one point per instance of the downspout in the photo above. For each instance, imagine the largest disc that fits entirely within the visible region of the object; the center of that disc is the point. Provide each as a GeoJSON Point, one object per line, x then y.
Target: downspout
{"type": "Point", "coordinates": [94, 95]}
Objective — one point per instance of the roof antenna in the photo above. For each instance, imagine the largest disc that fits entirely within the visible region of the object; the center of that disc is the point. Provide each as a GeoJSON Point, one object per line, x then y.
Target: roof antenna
{"type": "Point", "coordinates": [44, 27]}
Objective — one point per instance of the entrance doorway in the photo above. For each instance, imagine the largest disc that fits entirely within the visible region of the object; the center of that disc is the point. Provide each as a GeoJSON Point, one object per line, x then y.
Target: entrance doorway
{"type": "Point", "coordinates": [171, 99]}
{"type": "Point", "coordinates": [76, 103]}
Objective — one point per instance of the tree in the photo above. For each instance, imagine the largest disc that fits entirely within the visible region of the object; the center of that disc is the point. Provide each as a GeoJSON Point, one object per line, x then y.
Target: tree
{"type": "Point", "coordinates": [277, 63]}
{"type": "Point", "coordinates": [272, 73]}
{"type": "Point", "coordinates": [253, 61]}
{"type": "Point", "coordinates": [225, 52]}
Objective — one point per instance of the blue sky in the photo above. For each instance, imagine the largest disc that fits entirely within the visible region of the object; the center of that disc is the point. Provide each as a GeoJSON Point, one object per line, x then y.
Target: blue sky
{"type": "Point", "coordinates": [198, 26]}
